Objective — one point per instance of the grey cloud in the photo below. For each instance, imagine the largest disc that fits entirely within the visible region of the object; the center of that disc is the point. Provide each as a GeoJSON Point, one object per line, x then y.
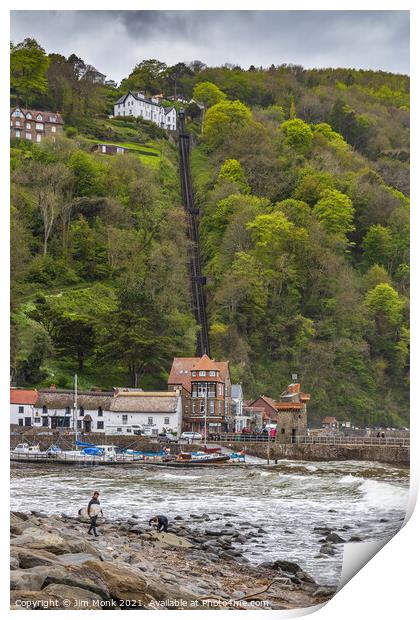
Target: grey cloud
{"type": "Point", "coordinates": [360, 39]}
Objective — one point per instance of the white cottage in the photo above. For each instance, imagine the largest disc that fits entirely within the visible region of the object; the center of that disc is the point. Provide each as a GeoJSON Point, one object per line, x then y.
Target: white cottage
{"type": "Point", "coordinates": [56, 408]}
{"type": "Point", "coordinates": [151, 109]}
{"type": "Point", "coordinates": [22, 407]}
{"type": "Point", "coordinates": [156, 411]}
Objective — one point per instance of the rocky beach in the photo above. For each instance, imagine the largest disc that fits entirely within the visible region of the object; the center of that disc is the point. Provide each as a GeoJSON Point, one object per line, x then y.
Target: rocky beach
{"type": "Point", "coordinates": [55, 564]}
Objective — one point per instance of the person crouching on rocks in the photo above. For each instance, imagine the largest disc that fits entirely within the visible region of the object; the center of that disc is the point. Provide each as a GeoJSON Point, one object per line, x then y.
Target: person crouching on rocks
{"type": "Point", "coordinates": [161, 523]}
{"type": "Point", "coordinates": [93, 511]}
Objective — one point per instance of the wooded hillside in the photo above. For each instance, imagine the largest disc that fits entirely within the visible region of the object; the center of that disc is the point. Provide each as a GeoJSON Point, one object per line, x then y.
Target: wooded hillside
{"type": "Point", "coordinates": [302, 180]}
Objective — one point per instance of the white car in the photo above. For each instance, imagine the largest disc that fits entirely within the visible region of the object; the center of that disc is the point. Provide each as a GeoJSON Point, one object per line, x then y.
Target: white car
{"type": "Point", "coordinates": [191, 435]}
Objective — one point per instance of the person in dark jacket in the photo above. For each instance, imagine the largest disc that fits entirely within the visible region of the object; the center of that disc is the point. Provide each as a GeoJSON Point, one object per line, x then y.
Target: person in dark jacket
{"type": "Point", "coordinates": [161, 523]}
{"type": "Point", "coordinates": [93, 511]}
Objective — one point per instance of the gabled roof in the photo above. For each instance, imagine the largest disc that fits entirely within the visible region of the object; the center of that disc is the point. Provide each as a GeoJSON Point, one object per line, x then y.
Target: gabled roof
{"type": "Point", "coordinates": [205, 363]}
{"type": "Point", "coordinates": [181, 371]}
{"type": "Point", "coordinates": [329, 419]}
{"type": "Point", "coordinates": [270, 402]}
{"type": "Point", "coordinates": [23, 397]}
{"type": "Point", "coordinates": [45, 115]}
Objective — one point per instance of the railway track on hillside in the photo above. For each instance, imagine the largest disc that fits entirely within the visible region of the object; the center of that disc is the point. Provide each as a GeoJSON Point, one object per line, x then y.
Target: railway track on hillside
{"type": "Point", "coordinates": [197, 280]}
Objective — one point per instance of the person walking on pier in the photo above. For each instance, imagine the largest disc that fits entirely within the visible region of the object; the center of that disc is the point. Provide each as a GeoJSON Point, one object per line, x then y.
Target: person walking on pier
{"type": "Point", "coordinates": [93, 511]}
{"type": "Point", "coordinates": [161, 523]}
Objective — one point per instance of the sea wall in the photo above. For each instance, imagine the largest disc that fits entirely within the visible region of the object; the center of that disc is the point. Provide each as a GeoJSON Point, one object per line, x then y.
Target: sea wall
{"type": "Point", "coordinates": [324, 452]}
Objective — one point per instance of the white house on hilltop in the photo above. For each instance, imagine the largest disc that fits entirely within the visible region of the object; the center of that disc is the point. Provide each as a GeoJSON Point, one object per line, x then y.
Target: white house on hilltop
{"type": "Point", "coordinates": [151, 109]}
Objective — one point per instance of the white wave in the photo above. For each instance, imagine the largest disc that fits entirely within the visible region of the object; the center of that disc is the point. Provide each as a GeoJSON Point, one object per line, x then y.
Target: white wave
{"type": "Point", "coordinates": [311, 467]}
{"type": "Point", "coordinates": [180, 477]}
{"type": "Point", "coordinates": [384, 495]}
{"type": "Point", "coordinates": [350, 479]}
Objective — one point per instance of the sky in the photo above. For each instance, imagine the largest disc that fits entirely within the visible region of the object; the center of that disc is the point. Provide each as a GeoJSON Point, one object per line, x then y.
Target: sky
{"type": "Point", "coordinates": [115, 41]}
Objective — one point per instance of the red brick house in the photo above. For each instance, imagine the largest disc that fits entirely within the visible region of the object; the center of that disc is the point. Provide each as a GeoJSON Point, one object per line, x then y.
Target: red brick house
{"type": "Point", "coordinates": [35, 125]}
{"type": "Point", "coordinates": [268, 405]}
{"type": "Point", "coordinates": [206, 393]}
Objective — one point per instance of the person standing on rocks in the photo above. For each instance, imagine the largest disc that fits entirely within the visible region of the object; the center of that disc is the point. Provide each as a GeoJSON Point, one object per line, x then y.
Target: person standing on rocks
{"type": "Point", "coordinates": [93, 511]}
{"type": "Point", "coordinates": [161, 523]}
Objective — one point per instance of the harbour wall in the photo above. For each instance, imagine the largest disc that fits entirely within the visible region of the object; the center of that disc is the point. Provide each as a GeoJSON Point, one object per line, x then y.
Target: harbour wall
{"type": "Point", "coordinates": [323, 452]}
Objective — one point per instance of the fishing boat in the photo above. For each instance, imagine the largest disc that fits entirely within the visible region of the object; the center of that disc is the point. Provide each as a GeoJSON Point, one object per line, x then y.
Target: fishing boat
{"type": "Point", "coordinates": [25, 448]}
{"type": "Point", "coordinates": [196, 459]}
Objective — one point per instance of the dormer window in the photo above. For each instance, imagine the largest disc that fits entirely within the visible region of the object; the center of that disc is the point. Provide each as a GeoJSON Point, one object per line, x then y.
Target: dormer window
{"type": "Point", "coordinates": [212, 373]}
{"type": "Point", "coordinates": [194, 374]}
{"type": "Point", "coordinates": [52, 119]}
{"type": "Point", "coordinates": [29, 115]}
{"type": "Point", "coordinates": [17, 113]}
{"type": "Point", "coordinates": [39, 117]}
{"type": "Point", "coordinates": [202, 373]}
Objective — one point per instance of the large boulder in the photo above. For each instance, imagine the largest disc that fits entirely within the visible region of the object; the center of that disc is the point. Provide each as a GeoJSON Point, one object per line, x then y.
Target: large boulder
{"type": "Point", "coordinates": [166, 538]}
{"type": "Point", "coordinates": [70, 597]}
{"type": "Point", "coordinates": [33, 538]}
{"type": "Point", "coordinates": [28, 558]}
{"type": "Point", "coordinates": [123, 582]}
{"type": "Point", "coordinates": [26, 579]}
{"type": "Point", "coordinates": [75, 576]}
{"type": "Point", "coordinates": [76, 558]}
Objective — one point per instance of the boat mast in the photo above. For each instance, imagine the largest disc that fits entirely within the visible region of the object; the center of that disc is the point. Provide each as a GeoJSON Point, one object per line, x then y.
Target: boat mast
{"type": "Point", "coordinates": [75, 407]}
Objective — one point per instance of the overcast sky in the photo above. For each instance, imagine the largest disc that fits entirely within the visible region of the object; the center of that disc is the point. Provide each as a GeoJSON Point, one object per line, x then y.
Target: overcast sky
{"type": "Point", "coordinates": [115, 41]}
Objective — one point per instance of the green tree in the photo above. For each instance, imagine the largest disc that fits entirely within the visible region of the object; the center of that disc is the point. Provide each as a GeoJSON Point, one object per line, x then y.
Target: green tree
{"type": "Point", "coordinates": [28, 71]}
{"type": "Point", "coordinates": [298, 134]}
{"type": "Point", "coordinates": [231, 170]}
{"type": "Point", "coordinates": [335, 211]}
{"type": "Point", "coordinates": [378, 246]}
{"type": "Point", "coordinates": [208, 94]}
{"type": "Point", "coordinates": [224, 119]}
{"type": "Point", "coordinates": [386, 305]}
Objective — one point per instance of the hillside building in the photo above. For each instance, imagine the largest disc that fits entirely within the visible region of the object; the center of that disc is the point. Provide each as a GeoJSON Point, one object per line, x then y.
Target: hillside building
{"type": "Point", "coordinates": [22, 407]}
{"type": "Point", "coordinates": [151, 109]}
{"type": "Point", "coordinates": [35, 125]}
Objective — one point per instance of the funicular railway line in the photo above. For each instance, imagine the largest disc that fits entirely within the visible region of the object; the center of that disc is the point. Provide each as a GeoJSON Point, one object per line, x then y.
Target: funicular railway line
{"type": "Point", "coordinates": [196, 278]}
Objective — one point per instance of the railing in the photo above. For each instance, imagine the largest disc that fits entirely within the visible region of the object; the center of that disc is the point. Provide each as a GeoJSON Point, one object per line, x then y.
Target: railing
{"type": "Point", "coordinates": [326, 440]}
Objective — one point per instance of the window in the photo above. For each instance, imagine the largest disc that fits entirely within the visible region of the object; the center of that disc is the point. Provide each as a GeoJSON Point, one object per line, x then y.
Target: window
{"type": "Point", "coordinates": [44, 409]}
{"type": "Point", "coordinates": [28, 422]}
{"type": "Point", "coordinates": [212, 407]}
{"type": "Point", "coordinates": [220, 407]}
{"type": "Point", "coordinates": [150, 420]}
{"type": "Point", "coordinates": [129, 430]}
{"type": "Point", "coordinates": [37, 420]}
{"type": "Point", "coordinates": [212, 373]}
{"type": "Point", "coordinates": [201, 406]}
{"type": "Point", "coordinates": [66, 422]}
{"type": "Point", "coordinates": [166, 421]}
{"type": "Point", "coordinates": [21, 409]}
{"type": "Point", "coordinates": [53, 129]}
{"type": "Point", "coordinates": [81, 411]}
{"type": "Point", "coordinates": [52, 119]}
{"type": "Point", "coordinates": [39, 117]}
{"type": "Point", "coordinates": [103, 147]}
{"type": "Point", "coordinates": [202, 373]}
{"type": "Point", "coordinates": [79, 424]}
{"type": "Point", "coordinates": [155, 431]}
{"type": "Point", "coordinates": [20, 422]}
{"type": "Point", "coordinates": [119, 429]}
{"type": "Point", "coordinates": [67, 410]}
{"type": "Point", "coordinates": [120, 150]}
{"type": "Point", "coordinates": [100, 425]}
{"type": "Point", "coordinates": [28, 125]}
{"type": "Point", "coordinates": [39, 126]}
{"type": "Point", "coordinates": [194, 373]}
{"type": "Point", "coordinates": [44, 421]}
{"type": "Point", "coordinates": [193, 407]}
{"type": "Point", "coordinates": [17, 134]}
{"type": "Point", "coordinates": [220, 389]}
{"type": "Point", "coordinates": [100, 412]}
{"type": "Point", "coordinates": [28, 136]}
{"type": "Point", "coordinates": [38, 137]}
{"type": "Point", "coordinates": [17, 123]}
{"type": "Point", "coordinates": [29, 115]}
{"type": "Point", "coordinates": [125, 419]}
{"type": "Point", "coordinates": [17, 113]}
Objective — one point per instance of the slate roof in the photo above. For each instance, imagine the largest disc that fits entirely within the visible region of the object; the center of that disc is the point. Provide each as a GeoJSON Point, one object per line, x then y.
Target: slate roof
{"type": "Point", "coordinates": [45, 115]}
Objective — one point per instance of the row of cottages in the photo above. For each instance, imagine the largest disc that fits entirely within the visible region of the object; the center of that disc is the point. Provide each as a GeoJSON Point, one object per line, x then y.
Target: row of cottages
{"type": "Point", "coordinates": [121, 411]}
{"type": "Point", "coordinates": [35, 125]}
{"type": "Point", "coordinates": [151, 109]}
{"type": "Point", "coordinates": [205, 386]}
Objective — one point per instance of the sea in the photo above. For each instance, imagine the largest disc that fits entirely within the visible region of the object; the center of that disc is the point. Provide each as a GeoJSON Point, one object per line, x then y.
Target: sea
{"type": "Point", "coordinates": [284, 503]}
